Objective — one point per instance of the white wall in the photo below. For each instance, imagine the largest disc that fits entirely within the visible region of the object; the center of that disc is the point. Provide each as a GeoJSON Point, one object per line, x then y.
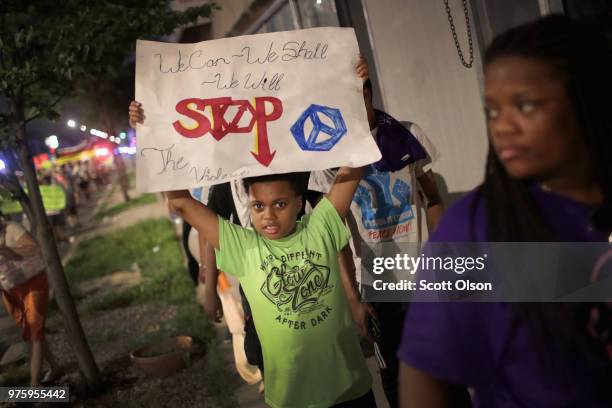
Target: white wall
{"type": "Point", "coordinates": [423, 81]}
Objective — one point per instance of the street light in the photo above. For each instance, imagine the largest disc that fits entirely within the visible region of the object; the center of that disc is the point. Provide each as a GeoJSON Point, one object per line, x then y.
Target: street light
{"type": "Point", "coordinates": [101, 152]}
{"type": "Point", "coordinates": [71, 123]}
{"type": "Point", "coordinates": [83, 128]}
{"type": "Point", "coordinates": [52, 142]}
{"type": "Point", "coordinates": [98, 133]}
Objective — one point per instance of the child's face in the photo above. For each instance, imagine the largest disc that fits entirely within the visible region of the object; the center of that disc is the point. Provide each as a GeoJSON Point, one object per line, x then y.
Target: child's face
{"type": "Point", "coordinates": [531, 123]}
{"type": "Point", "coordinates": [274, 208]}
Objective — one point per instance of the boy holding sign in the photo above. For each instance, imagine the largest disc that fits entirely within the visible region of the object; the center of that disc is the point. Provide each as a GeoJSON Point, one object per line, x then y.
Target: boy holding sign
{"type": "Point", "coordinates": [289, 272]}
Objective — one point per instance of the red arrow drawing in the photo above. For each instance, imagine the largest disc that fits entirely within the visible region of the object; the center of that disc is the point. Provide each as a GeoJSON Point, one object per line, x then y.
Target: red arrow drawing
{"type": "Point", "coordinates": [262, 148]}
{"type": "Point", "coordinates": [262, 151]}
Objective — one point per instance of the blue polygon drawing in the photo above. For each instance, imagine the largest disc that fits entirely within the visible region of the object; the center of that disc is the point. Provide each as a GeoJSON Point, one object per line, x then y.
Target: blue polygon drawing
{"type": "Point", "coordinates": [311, 142]}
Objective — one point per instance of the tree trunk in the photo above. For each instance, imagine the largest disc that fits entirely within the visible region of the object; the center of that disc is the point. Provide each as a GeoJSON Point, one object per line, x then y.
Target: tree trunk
{"type": "Point", "coordinates": [55, 271]}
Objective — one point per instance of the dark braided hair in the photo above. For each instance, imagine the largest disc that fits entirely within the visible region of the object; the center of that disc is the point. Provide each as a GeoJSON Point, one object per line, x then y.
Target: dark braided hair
{"type": "Point", "coordinates": [583, 60]}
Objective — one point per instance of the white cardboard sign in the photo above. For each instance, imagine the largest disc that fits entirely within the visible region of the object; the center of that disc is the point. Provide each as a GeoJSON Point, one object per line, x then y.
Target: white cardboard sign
{"type": "Point", "coordinates": [247, 106]}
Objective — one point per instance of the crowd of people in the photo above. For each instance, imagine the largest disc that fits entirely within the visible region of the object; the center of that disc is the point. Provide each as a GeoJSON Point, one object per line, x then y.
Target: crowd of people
{"type": "Point", "coordinates": [79, 180]}
{"type": "Point", "coordinates": [23, 279]}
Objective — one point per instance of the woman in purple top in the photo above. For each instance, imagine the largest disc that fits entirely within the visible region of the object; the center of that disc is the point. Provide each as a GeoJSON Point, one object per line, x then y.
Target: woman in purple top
{"type": "Point", "coordinates": [548, 178]}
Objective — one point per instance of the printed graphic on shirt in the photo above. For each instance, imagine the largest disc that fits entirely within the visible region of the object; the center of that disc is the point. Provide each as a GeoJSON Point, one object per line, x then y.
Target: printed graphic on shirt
{"type": "Point", "coordinates": [297, 286]}
{"type": "Point", "coordinates": [385, 203]}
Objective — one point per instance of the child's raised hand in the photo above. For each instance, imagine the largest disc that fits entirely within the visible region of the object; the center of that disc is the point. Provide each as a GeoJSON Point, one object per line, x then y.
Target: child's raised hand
{"type": "Point", "coordinates": [361, 66]}
{"type": "Point", "coordinates": [136, 113]}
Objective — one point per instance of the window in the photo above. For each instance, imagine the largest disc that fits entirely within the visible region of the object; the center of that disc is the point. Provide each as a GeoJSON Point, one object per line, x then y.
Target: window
{"type": "Point", "coordinates": [318, 13]}
{"type": "Point", "coordinates": [282, 20]}
{"type": "Point", "coordinates": [295, 14]}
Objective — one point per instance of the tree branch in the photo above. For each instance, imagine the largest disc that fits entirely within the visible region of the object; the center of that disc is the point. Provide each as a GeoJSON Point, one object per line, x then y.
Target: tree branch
{"type": "Point", "coordinates": [39, 114]}
{"type": "Point", "coordinates": [32, 82]}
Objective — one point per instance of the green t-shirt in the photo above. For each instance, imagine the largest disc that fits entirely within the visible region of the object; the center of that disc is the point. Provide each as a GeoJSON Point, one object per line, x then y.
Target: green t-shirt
{"type": "Point", "coordinates": [311, 351]}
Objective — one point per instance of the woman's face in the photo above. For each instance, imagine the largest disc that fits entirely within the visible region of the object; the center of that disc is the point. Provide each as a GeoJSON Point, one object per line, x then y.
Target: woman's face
{"type": "Point", "coordinates": [530, 120]}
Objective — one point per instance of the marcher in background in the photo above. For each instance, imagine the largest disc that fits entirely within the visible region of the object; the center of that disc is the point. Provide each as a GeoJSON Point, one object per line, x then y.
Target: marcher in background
{"type": "Point", "coordinates": [122, 176]}
{"type": "Point", "coordinates": [83, 179]}
{"type": "Point", "coordinates": [548, 178]}
{"type": "Point", "coordinates": [25, 293]}
{"type": "Point", "coordinates": [76, 179]}
{"type": "Point", "coordinates": [71, 197]}
{"type": "Point", "coordinates": [60, 218]}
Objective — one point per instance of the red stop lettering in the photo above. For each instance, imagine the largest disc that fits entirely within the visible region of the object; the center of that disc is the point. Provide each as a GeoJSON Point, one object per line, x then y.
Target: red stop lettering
{"type": "Point", "coordinates": [184, 107]}
{"type": "Point", "coordinates": [193, 108]}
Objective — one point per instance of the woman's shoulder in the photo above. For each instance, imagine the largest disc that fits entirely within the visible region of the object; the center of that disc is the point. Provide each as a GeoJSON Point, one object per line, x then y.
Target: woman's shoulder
{"type": "Point", "coordinates": [465, 220]}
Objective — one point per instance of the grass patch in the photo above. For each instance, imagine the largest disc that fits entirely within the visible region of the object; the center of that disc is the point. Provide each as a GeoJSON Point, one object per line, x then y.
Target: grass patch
{"type": "Point", "coordinates": [144, 199]}
{"type": "Point", "coordinates": [153, 245]}
{"type": "Point", "coordinates": [217, 378]}
{"type": "Point", "coordinates": [165, 281]}
{"type": "Point", "coordinates": [15, 376]}
{"type": "Point", "coordinates": [116, 251]}
{"type": "Point", "coordinates": [113, 300]}
{"type": "Point", "coordinates": [191, 319]}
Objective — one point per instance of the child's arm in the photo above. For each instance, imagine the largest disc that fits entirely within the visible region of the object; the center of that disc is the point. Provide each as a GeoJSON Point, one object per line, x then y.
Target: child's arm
{"type": "Point", "coordinates": [435, 208]}
{"type": "Point", "coordinates": [343, 189]}
{"type": "Point", "coordinates": [197, 214]}
{"type": "Point", "coordinates": [212, 303]}
{"type": "Point", "coordinates": [202, 245]}
{"type": "Point", "coordinates": [360, 310]}
{"type": "Point", "coordinates": [347, 178]}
